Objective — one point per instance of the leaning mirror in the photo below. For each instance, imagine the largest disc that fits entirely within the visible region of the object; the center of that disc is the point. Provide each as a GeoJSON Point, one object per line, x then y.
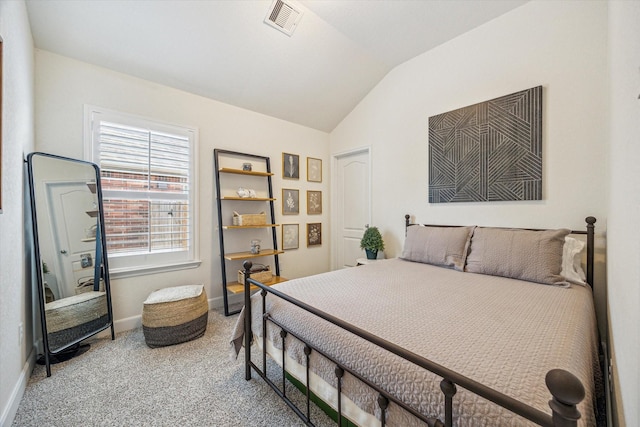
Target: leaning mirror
{"type": "Point", "coordinates": [70, 253]}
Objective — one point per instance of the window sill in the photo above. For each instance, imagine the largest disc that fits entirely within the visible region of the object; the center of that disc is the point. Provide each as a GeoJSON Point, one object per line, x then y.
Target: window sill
{"type": "Point", "coordinates": [121, 273]}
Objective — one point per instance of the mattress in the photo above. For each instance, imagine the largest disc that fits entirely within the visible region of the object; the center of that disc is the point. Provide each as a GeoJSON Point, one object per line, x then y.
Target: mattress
{"type": "Point", "coordinates": [504, 333]}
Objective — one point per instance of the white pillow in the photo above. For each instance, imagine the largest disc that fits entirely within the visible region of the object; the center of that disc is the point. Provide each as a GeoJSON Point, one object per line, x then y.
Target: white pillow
{"type": "Point", "coordinates": [571, 261]}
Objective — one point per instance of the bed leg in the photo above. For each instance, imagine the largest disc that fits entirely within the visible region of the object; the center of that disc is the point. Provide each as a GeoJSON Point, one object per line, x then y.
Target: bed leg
{"type": "Point", "coordinates": [339, 374]}
{"type": "Point", "coordinates": [283, 335]}
{"type": "Point", "coordinates": [449, 389]}
{"type": "Point", "coordinates": [567, 392]}
{"type": "Point", "coordinates": [263, 294]}
{"type": "Point", "coordinates": [307, 354]}
{"type": "Point", "coordinates": [247, 320]}
{"type": "Point", "coordinates": [383, 403]}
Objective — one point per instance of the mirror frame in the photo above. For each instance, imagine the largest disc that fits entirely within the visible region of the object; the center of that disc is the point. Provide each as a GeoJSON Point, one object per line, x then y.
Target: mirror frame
{"type": "Point", "coordinates": [101, 269]}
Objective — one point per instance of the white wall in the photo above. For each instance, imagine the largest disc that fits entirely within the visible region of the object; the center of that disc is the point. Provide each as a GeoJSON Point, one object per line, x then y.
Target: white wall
{"type": "Point", "coordinates": [64, 85]}
{"type": "Point", "coordinates": [17, 138]}
{"type": "Point", "coordinates": [559, 45]}
{"type": "Point", "coordinates": [623, 247]}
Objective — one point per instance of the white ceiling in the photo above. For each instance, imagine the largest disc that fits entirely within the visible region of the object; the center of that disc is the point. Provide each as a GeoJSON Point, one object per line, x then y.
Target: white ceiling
{"type": "Point", "coordinates": [223, 50]}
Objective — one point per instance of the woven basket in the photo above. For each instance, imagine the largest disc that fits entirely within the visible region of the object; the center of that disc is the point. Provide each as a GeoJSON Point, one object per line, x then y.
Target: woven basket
{"type": "Point", "coordinates": [175, 315]}
{"type": "Point", "coordinates": [249, 219]}
{"type": "Point", "coordinates": [260, 276]}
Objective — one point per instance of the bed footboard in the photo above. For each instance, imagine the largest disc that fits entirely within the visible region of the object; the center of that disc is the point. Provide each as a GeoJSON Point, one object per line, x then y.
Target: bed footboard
{"type": "Point", "coordinates": [566, 390]}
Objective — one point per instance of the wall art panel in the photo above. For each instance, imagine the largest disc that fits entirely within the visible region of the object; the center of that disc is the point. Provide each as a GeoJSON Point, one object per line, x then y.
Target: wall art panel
{"type": "Point", "coordinates": [490, 151]}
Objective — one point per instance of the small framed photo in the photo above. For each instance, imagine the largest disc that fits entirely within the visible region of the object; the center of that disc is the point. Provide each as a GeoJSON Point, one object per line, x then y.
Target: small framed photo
{"type": "Point", "coordinates": [290, 166]}
{"type": "Point", "coordinates": [314, 169]}
{"type": "Point", "coordinates": [314, 202]}
{"type": "Point", "coordinates": [314, 234]}
{"type": "Point", "coordinates": [290, 236]}
{"type": "Point", "coordinates": [290, 201]}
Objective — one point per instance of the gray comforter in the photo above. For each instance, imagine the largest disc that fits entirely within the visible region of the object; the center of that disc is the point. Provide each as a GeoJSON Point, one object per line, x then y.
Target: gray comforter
{"type": "Point", "coordinates": [504, 333]}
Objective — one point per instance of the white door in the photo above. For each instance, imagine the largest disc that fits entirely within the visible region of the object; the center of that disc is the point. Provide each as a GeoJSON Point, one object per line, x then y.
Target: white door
{"type": "Point", "coordinates": [71, 207]}
{"type": "Point", "coordinates": [352, 205]}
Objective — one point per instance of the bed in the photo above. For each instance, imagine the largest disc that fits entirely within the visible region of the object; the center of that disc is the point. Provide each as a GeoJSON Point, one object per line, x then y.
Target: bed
{"type": "Point", "coordinates": [471, 326]}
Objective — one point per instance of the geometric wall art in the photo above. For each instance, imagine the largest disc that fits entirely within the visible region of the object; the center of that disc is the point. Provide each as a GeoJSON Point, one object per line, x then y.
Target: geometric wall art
{"type": "Point", "coordinates": [489, 151]}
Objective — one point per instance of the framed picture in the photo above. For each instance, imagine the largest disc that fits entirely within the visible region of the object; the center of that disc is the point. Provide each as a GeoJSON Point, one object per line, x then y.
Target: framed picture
{"type": "Point", "coordinates": [314, 202]}
{"type": "Point", "coordinates": [290, 236]}
{"type": "Point", "coordinates": [290, 166]}
{"type": "Point", "coordinates": [314, 169]}
{"type": "Point", "coordinates": [290, 201]}
{"type": "Point", "coordinates": [314, 234]}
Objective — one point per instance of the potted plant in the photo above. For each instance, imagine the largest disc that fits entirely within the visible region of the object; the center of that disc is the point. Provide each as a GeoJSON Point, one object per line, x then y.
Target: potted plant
{"type": "Point", "coordinates": [372, 242]}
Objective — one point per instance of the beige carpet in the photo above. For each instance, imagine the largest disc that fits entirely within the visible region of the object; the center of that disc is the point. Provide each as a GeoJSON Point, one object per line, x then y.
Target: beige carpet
{"type": "Point", "coordinates": [126, 383]}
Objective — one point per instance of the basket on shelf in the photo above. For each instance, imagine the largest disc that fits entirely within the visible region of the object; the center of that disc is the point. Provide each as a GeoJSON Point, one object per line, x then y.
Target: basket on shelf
{"type": "Point", "coordinates": [261, 274]}
{"type": "Point", "coordinates": [249, 219]}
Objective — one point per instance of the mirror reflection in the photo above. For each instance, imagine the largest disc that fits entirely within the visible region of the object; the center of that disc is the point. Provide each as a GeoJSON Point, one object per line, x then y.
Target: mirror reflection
{"type": "Point", "coordinates": [73, 286]}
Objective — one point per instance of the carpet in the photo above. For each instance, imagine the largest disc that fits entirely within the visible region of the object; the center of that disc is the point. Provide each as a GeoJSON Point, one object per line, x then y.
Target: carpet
{"type": "Point", "coordinates": [126, 383]}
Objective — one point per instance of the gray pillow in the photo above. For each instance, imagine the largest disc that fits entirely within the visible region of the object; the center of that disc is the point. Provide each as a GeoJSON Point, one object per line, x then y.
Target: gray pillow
{"type": "Point", "coordinates": [535, 256]}
{"type": "Point", "coordinates": [443, 246]}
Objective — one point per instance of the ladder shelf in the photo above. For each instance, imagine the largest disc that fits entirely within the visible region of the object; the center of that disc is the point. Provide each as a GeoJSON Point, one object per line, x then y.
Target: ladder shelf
{"type": "Point", "coordinates": [226, 169]}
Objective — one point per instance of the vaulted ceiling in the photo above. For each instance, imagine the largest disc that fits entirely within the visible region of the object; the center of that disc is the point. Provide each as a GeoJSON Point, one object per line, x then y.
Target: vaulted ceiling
{"type": "Point", "coordinates": [223, 50]}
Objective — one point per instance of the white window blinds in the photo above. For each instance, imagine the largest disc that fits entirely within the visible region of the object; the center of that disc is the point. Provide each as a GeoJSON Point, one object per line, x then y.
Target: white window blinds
{"type": "Point", "coordinates": [147, 186]}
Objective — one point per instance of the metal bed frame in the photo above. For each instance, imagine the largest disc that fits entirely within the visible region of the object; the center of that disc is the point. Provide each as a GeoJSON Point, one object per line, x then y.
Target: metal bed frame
{"type": "Point", "coordinates": [566, 390]}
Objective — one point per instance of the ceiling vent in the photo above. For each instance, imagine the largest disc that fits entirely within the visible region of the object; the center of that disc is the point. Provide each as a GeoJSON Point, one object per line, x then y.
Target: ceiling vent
{"type": "Point", "coordinates": [283, 16]}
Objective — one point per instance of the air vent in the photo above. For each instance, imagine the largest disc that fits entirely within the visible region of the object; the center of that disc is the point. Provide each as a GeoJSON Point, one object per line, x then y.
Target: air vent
{"type": "Point", "coordinates": [283, 16]}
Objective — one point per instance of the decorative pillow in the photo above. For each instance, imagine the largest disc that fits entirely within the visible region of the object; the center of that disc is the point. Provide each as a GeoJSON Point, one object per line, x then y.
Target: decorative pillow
{"type": "Point", "coordinates": [443, 246]}
{"type": "Point", "coordinates": [535, 256]}
{"type": "Point", "coordinates": [571, 261]}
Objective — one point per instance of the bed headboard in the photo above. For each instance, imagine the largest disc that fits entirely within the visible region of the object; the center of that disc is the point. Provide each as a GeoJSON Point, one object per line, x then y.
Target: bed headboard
{"type": "Point", "coordinates": [589, 232]}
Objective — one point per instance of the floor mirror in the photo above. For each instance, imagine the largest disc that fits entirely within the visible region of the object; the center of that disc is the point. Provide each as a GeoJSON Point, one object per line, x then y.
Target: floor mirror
{"type": "Point", "coordinates": [70, 254]}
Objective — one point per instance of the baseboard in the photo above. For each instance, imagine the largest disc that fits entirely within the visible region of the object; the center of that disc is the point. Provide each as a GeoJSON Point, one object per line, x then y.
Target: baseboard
{"type": "Point", "coordinates": [216, 303]}
{"type": "Point", "coordinates": [134, 322]}
{"type": "Point", "coordinates": [237, 299]}
{"type": "Point", "coordinates": [128, 323]}
{"type": "Point", "coordinates": [122, 325]}
{"type": "Point", "coordinates": [9, 412]}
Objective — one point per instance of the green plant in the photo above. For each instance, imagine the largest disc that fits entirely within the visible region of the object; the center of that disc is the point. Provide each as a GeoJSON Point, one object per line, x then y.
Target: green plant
{"type": "Point", "coordinates": [372, 239]}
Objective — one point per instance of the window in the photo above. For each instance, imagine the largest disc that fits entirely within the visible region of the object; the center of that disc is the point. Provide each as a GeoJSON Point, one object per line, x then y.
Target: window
{"type": "Point", "coordinates": [147, 171]}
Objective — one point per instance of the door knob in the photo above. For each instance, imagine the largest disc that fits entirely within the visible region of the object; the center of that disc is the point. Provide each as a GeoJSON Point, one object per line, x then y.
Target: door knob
{"type": "Point", "coordinates": [64, 252]}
